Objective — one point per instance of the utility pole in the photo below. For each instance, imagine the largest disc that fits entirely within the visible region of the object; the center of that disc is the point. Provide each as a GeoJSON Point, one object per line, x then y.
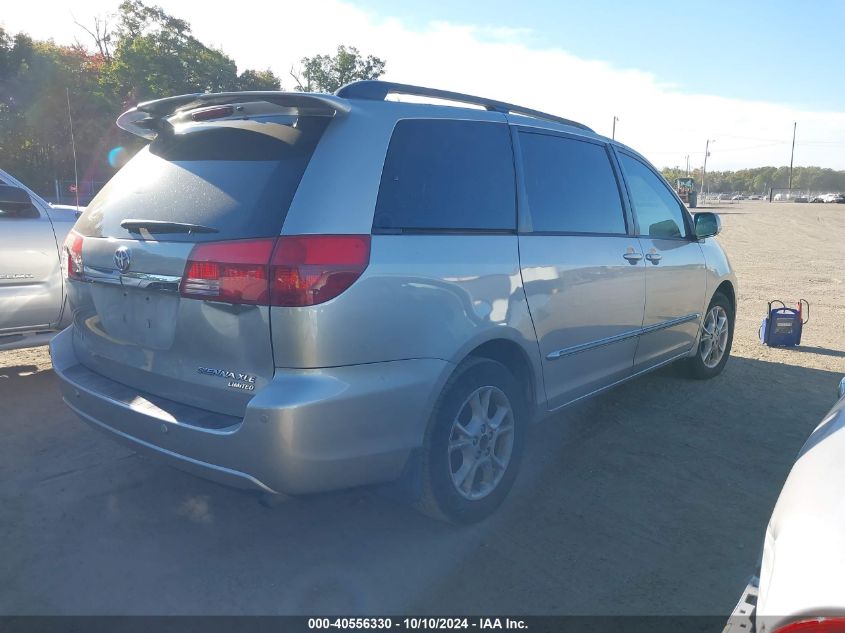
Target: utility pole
{"type": "Point", "coordinates": [615, 119]}
{"type": "Point", "coordinates": [687, 164]}
{"type": "Point", "coordinates": [73, 146]}
{"type": "Point", "coordinates": [704, 171]}
{"type": "Point", "coordinates": [792, 155]}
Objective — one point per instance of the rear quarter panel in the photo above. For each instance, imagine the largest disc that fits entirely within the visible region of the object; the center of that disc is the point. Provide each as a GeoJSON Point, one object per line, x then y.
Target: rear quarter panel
{"type": "Point", "coordinates": [422, 296]}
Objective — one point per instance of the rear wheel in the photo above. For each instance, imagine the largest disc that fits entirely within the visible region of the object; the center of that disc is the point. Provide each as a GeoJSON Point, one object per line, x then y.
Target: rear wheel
{"type": "Point", "coordinates": [715, 340]}
{"type": "Point", "coordinates": [474, 443]}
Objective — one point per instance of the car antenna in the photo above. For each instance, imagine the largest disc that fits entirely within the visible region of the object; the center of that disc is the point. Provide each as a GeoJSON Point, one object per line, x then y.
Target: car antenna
{"type": "Point", "coordinates": [73, 147]}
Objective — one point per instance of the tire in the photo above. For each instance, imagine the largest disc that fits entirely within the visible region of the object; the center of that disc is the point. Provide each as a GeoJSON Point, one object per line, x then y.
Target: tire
{"type": "Point", "coordinates": [460, 403]}
{"type": "Point", "coordinates": [703, 365]}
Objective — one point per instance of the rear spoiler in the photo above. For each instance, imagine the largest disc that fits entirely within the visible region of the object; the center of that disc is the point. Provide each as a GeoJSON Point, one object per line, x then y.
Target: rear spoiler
{"type": "Point", "coordinates": [149, 118]}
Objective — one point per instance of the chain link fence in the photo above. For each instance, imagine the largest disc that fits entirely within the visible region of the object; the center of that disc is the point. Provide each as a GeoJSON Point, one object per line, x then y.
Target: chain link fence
{"type": "Point", "coordinates": [66, 191]}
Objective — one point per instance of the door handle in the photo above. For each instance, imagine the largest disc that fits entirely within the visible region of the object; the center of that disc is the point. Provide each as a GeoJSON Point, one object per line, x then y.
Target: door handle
{"type": "Point", "coordinates": [633, 258]}
{"type": "Point", "coordinates": [654, 258]}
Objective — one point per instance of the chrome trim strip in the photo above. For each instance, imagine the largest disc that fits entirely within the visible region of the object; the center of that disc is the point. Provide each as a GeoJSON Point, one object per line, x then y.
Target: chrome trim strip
{"type": "Point", "coordinates": [616, 338]}
{"type": "Point", "coordinates": [132, 279]}
{"type": "Point", "coordinates": [670, 323]}
{"type": "Point", "coordinates": [583, 347]}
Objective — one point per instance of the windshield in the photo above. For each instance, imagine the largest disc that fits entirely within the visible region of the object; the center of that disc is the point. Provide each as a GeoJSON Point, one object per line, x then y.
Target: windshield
{"type": "Point", "coordinates": [237, 177]}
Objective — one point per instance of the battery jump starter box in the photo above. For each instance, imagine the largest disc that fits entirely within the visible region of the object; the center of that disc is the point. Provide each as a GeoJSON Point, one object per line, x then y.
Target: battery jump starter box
{"type": "Point", "coordinates": [782, 326]}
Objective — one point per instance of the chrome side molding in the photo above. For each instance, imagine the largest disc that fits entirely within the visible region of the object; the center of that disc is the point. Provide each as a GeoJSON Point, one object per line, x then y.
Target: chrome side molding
{"type": "Point", "coordinates": [616, 338]}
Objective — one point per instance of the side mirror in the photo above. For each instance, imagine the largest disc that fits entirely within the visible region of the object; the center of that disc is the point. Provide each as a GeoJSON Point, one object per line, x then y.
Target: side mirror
{"type": "Point", "coordinates": [707, 225]}
{"type": "Point", "coordinates": [841, 390]}
{"type": "Point", "coordinates": [15, 202]}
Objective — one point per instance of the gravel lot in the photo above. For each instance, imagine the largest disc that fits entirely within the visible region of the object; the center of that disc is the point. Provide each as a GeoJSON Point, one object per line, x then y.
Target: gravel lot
{"type": "Point", "coordinates": [650, 499]}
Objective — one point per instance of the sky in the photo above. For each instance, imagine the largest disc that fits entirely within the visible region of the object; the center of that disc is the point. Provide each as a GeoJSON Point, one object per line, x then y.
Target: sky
{"type": "Point", "coordinates": [675, 74]}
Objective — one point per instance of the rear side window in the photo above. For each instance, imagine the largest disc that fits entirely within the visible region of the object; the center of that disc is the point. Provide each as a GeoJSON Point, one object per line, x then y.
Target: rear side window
{"type": "Point", "coordinates": [15, 203]}
{"type": "Point", "coordinates": [570, 185]}
{"type": "Point", "coordinates": [237, 177]}
{"type": "Point", "coordinates": [659, 214]}
{"type": "Point", "coordinates": [441, 174]}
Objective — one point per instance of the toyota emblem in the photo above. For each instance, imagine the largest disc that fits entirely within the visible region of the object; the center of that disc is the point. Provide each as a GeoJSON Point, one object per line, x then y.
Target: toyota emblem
{"type": "Point", "coordinates": [122, 259]}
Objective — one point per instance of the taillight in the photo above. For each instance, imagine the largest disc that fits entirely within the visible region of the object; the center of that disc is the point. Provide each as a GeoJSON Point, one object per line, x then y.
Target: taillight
{"type": "Point", "coordinates": [234, 272]}
{"type": "Point", "coordinates": [310, 269]}
{"type": "Point", "coordinates": [288, 271]}
{"type": "Point", "coordinates": [815, 625]}
{"type": "Point", "coordinates": [73, 252]}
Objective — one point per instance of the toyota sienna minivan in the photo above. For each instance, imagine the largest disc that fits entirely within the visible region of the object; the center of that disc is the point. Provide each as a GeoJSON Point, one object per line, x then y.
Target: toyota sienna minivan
{"type": "Point", "coordinates": [297, 292]}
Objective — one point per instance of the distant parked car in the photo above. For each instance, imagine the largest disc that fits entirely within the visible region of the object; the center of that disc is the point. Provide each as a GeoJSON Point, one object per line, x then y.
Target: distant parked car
{"type": "Point", "coordinates": [819, 198]}
{"type": "Point", "coordinates": [800, 198]}
{"type": "Point", "coordinates": [32, 290]}
{"type": "Point", "coordinates": [800, 588]}
{"type": "Point", "coordinates": [838, 198]}
{"type": "Point", "coordinates": [738, 196]}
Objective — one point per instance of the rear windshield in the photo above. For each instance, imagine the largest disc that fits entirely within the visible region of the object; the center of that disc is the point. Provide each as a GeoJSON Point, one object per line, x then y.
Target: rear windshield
{"type": "Point", "coordinates": [237, 177]}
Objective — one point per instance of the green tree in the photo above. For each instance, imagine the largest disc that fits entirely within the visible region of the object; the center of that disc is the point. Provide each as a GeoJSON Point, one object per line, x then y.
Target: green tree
{"type": "Point", "coordinates": [38, 80]}
{"type": "Point", "coordinates": [327, 73]}
{"type": "Point", "coordinates": [157, 55]}
{"type": "Point", "coordinates": [760, 179]}
{"type": "Point", "coordinates": [144, 53]}
{"type": "Point", "coordinates": [258, 80]}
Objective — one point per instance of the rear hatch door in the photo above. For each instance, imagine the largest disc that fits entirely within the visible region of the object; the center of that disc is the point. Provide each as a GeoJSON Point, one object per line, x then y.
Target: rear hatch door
{"type": "Point", "coordinates": [216, 192]}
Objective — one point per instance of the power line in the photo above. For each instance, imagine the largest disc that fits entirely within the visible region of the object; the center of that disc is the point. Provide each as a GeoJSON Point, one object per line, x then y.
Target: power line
{"type": "Point", "coordinates": [730, 149]}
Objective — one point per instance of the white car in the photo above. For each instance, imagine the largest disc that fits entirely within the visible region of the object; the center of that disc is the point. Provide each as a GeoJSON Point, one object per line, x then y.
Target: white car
{"type": "Point", "coordinates": [801, 588]}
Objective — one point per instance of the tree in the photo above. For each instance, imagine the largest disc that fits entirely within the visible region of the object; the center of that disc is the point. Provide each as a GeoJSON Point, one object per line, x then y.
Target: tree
{"type": "Point", "coordinates": [258, 80]}
{"type": "Point", "coordinates": [101, 34]}
{"type": "Point", "coordinates": [145, 54]}
{"type": "Point", "coordinates": [157, 55]}
{"type": "Point", "coordinates": [35, 82]}
{"type": "Point", "coordinates": [327, 73]}
{"type": "Point", "coordinates": [761, 179]}
{"type": "Point", "coordinates": [139, 53]}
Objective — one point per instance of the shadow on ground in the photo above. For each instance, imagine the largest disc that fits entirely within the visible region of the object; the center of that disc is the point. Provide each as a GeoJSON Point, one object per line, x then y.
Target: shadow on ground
{"type": "Point", "coordinates": [651, 499]}
{"type": "Point", "coordinates": [823, 351]}
{"type": "Point", "coordinates": [18, 370]}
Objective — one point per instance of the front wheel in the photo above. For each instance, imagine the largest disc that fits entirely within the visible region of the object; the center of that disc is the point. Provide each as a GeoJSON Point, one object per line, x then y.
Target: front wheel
{"type": "Point", "coordinates": [474, 443]}
{"type": "Point", "coordinates": [715, 340]}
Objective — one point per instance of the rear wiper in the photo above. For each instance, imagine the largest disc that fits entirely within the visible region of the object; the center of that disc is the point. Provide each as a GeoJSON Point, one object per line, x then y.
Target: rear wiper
{"type": "Point", "coordinates": [162, 226]}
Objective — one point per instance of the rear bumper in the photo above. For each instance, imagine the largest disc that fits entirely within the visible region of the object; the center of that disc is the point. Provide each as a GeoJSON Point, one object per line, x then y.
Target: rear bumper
{"type": "Point", "coordinates": [307, 431]}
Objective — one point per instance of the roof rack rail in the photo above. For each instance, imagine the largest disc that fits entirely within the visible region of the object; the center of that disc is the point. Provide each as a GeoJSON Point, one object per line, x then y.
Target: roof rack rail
{"type": "Point", "coordinates": [375, 90]}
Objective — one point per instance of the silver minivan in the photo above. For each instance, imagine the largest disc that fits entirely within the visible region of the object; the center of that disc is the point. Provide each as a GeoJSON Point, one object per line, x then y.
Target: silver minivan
{"type": "Point", "coordinates": [303, 292]}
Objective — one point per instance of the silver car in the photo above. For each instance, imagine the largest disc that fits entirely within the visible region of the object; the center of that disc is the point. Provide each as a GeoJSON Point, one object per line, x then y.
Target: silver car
{"type": "Point", "coordinates": [303, 292]}
{"type": "Point", "coordinates": [32, 289]}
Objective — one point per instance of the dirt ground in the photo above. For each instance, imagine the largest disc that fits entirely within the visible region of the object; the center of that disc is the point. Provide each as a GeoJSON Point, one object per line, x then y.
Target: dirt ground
{"type": "Point", "coordinates": [650, 499]}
